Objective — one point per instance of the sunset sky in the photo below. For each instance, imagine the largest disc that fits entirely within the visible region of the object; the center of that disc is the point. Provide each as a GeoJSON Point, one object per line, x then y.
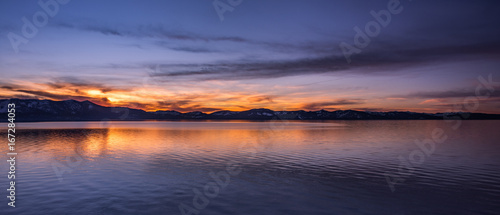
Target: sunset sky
{"type": "Point", "coordinates": [276, 54]}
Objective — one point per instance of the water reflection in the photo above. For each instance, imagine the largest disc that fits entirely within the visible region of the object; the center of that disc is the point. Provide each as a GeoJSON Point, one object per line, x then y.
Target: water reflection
{"type": "Point", "coordinates": [292, 167]}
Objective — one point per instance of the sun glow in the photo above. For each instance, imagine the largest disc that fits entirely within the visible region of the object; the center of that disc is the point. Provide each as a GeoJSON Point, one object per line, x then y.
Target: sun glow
{"type": "Point", "coordinates": [94, 92]}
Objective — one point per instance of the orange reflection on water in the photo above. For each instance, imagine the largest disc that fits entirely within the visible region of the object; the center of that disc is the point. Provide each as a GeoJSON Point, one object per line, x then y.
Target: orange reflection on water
{"type": "Point", "coordinates": [92, 140]}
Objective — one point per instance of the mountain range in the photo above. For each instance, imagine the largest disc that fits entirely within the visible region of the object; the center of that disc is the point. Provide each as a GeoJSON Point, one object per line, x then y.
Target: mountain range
{"type": "Point", "coordinates": [32, 110]}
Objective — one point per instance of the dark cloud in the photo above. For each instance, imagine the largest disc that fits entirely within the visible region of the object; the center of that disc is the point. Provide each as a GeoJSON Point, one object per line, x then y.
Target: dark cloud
{"type": "Point", "coordinates": [195, 42]}
{"type": "Point", "coordinates": [23, 93]}
{"type": "Point", "coordinates": [19, 96]}
{"type": "Point", "coordinates": [386, 58]}
{"type": "Point", "coordinates": [446, 94]}
{"type": "Point", "coordinates": [150, 31]}
{"type": "Point", "coordinates": [48, 95]}
{"type": "Point", "coordinates": [176, 103]}
{"type": "Point", "coordinates": [258, 99]}
{"type": "Point", "coordinates": [331, 104]}
{"type": "Point", "coordinates": [193, 49]}
{"type": "Point", "coordinates": [71, 82]}
{"type": "Point", "coordinates": [137, 105]}
{"type": "Point", "coordinates": [184, 105]}
{"type": "Point", "coordinates": [188, 47]}
{"type": "Point", "coordinates": [256, 70]}
{"type": "Point", "coordinates": [7, 87]}
{"type": "Point", "coordinates": [432, 42]}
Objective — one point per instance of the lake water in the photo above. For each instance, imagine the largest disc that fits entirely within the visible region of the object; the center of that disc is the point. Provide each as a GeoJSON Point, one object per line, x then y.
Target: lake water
{"type": "Point", "coordinates": [277, 167]}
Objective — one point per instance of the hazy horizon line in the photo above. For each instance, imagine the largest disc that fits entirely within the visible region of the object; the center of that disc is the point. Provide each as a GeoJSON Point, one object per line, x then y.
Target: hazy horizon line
{"type": "Point", "coordinates": [208, 112]}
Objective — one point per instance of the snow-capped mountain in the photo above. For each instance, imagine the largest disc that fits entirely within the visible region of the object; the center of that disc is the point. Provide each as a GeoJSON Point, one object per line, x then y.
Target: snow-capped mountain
{"type": "Point", "coordinates": [71, 110]}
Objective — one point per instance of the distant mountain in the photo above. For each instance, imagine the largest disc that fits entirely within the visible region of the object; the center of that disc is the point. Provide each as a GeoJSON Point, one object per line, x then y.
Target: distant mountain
{"type": "Point", "coordinates": [32, 110]}
{"type": "Point", "coordinates": [69, 110]}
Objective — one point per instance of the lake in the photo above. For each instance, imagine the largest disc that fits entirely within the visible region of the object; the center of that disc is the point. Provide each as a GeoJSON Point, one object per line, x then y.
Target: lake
{"type": "Point", "coordinates": [238, 167]}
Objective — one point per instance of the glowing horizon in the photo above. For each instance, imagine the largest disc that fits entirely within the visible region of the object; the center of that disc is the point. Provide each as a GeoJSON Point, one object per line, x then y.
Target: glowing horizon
{"type": "Point", "coordinates": [164, 58]}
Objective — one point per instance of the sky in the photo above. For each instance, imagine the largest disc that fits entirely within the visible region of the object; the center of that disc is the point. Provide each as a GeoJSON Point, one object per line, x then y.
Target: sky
{"type": "Point", "coordinates": [210, 55]}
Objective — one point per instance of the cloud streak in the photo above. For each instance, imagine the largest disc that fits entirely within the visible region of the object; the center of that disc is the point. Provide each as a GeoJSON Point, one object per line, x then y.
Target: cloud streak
{"type": "Point", "coordinates": [446, 94]}
{"type": "Point", "coordinates": [380, 58]}
{"type": "Point", "coordinates": [335, 104]}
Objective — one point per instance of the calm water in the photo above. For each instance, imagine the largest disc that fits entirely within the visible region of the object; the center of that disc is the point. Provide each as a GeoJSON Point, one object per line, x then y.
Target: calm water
{"type": "Point", "coordinates": [274, 168]}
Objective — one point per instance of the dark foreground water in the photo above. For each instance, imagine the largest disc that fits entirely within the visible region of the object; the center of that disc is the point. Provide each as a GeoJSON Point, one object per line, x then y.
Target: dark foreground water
{"type": "Point", "coordinates": [346, 167]}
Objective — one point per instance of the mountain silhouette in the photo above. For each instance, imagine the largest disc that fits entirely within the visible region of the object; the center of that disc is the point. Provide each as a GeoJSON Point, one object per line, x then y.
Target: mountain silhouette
{"type": "Point", "coordinates": [32, 110]}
